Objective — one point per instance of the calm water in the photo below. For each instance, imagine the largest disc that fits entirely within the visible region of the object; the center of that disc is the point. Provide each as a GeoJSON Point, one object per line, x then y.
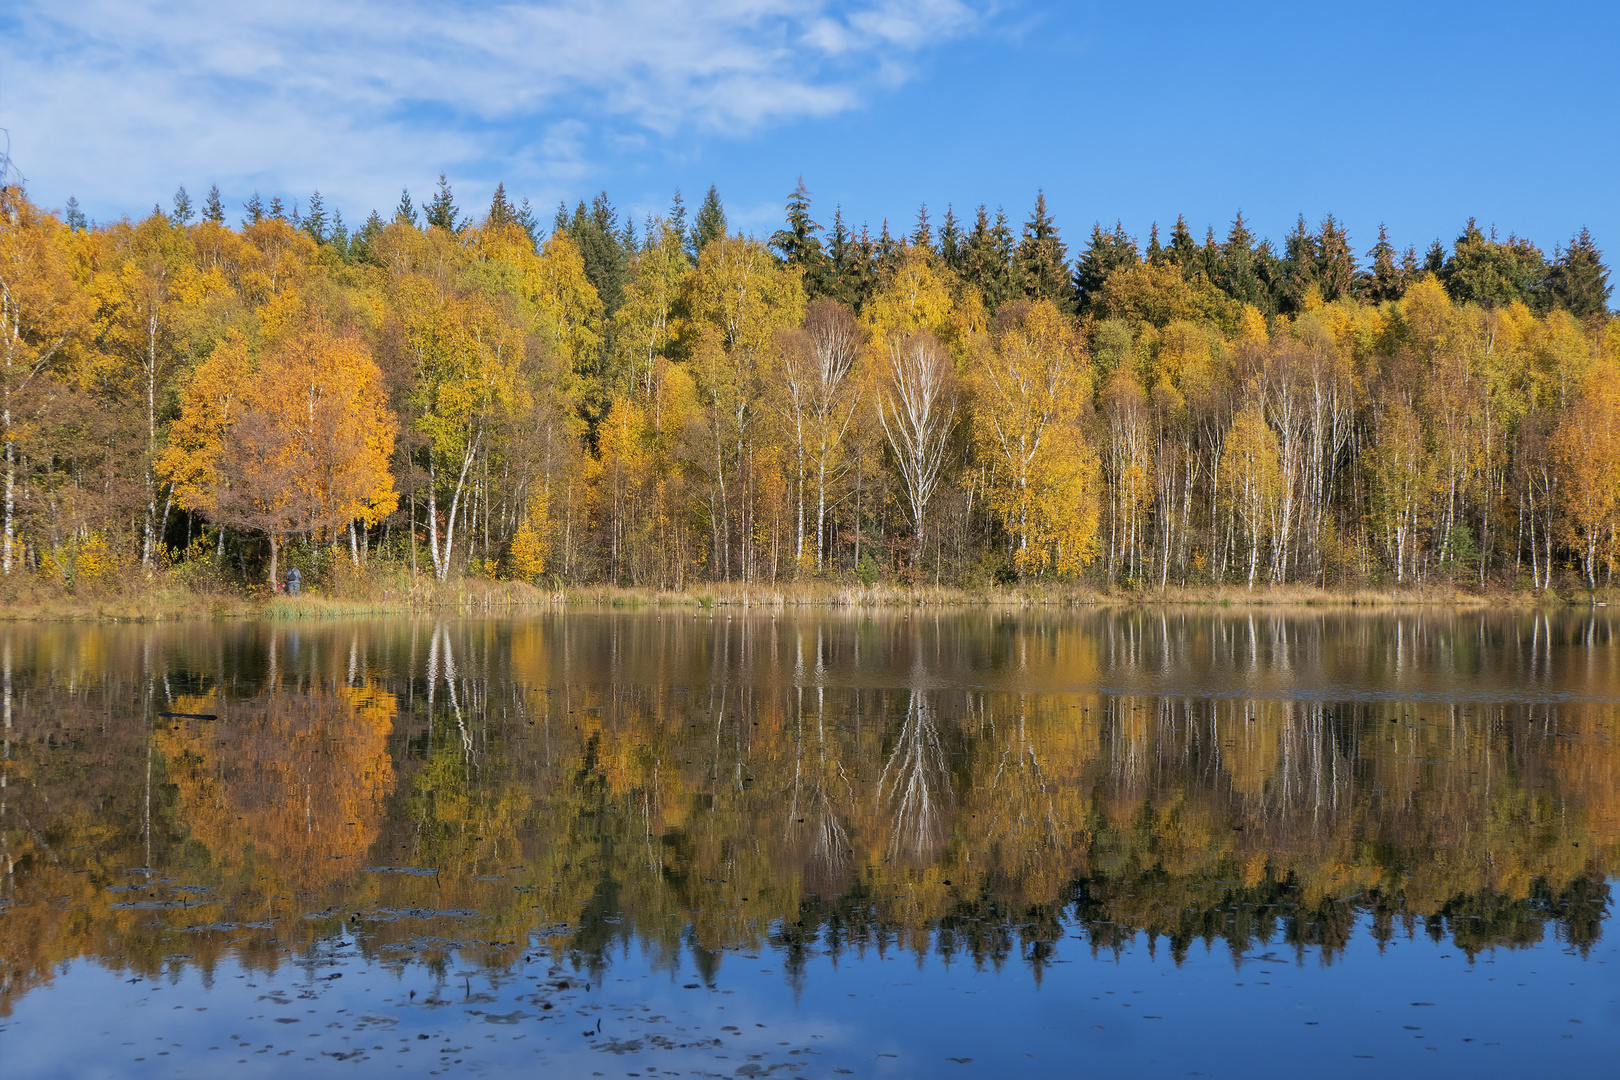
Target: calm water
{"type": "Point", "coordinates": [813, 845]}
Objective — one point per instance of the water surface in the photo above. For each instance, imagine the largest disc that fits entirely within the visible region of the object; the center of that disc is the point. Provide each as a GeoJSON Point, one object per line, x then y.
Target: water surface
{"type": "Point", "coordinates": [981, 844]}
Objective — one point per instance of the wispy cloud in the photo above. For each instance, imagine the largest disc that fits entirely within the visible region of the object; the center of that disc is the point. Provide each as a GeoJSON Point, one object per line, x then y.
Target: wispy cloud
{"type": "Point", "coordinates": [107, 98]}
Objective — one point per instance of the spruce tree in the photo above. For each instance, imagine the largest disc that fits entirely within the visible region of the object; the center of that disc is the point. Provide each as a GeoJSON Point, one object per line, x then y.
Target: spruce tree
{"type": "Point", "coordinates": [987, 258]}
{"type": "Point", "coordinates": [1041, 266]}
{"type": "Point", "coordinates": [1237, 273]}
{"type": "Point", "coordinates": [1183, 250]}
{"type": "Point", "coordinates": [844, 275]}
{"type": "Point", "coordinates": [950, 240]}
{"type": "Point", "coordinates": [183, 210]}
{"type": "Point", "coordinates": [405, 212]}
{"type": "Point", "coordinates": [923, 235]}
{"type": "Point", "coordinates": [526, 220]}
{"type": "Point", "coordinates": [1492, 273]}
{"type": "Point", "coordinates": [1155, 255]}
{"type": "Point", "coordinates": [709, 225]}
{"type": "Point", "coordinates": [255, 210]}
{"type": "Point", "coordinates": [315, 221]}
{"type": "Point", "coordinates": [501, 213]}
{"type": "Point", "coordinates": [797, 244]}
{"type": "Point", "coordinates": [1297, 274]}
{"type": "Point", "coordinates": [1434, 261]}
{"type": "Point", "coordinates": [213, 209]}
{"type": "Point", "coordinates": [441, 211]}
{"type": "Point", "coordinates": [1579, 281]}
{"type": "Point", "coordinates": [1335, 263]}
{"type": "Point", "coordinates": [73, 216]}
{"type": "Point", "coordinates": [339, 235]}
{"type": "Point", "coordinates": [1105, 252]}
{"type": "Point", "coordinates": [595, 231]}
{"type": "Point", "coordinates": [677, 214]}
{"type": "Point", "coordinates": [1385, 279]}
{"type": "Point", "coordinates": [277, 210]}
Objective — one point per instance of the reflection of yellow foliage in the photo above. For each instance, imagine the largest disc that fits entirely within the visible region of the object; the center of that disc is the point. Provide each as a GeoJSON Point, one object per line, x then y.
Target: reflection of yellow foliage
{"type": "Point", "coordinates": [297, 781]}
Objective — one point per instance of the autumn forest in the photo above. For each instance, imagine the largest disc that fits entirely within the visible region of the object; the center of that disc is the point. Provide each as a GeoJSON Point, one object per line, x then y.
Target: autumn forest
{"type": "Point", "coordinates": [972, 401]}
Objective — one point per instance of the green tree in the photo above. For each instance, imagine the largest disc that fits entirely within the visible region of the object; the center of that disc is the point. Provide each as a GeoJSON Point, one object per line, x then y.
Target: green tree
{"type": "Point", "coordinates": [708, 226]}
{"type": "Point", "coordinates": [1041, 266]}
{"type": "Point", "coordinates": [441, 212]}
{"type": "Point", "coordinates": [1105, 253]}
{"type": "Point", "coordinates": [213, 209]}
{"type": "Point", "coordinates": [1579, 281]}
{"type": "Point", "coordinates": [1385, 280]}
{"type": "Point", "coordinates": [798, 245]}
{"type": "Point", "coordinates": [1491, 273]}
{"type": "Point", "coordinates": [987, 261]}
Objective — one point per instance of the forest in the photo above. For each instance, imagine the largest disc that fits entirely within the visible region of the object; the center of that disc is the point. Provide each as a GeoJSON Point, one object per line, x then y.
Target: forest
{"type": "Point", "coordinates": [671, 403]}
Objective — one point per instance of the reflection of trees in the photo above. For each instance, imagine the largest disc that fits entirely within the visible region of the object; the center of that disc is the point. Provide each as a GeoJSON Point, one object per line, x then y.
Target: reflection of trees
{"type": "Point", "coordinates": [915, 783]}
{"type": "Point", "coordinates": [294, 782]}
{"type": "Point", "coordinates": [595, 779]}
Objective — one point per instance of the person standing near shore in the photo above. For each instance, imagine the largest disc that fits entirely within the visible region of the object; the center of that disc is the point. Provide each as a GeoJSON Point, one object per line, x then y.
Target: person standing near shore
{"type": "Point", "coordinates": [294, 580]}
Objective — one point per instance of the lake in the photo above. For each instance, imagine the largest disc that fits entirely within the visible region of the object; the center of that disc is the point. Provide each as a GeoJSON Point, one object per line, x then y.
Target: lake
{"type": "Point", "coordinates": [813, 844]}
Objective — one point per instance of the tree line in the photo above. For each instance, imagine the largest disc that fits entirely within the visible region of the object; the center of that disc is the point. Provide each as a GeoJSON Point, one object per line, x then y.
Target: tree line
{"type": "Point", "coordinates": [681, 403]}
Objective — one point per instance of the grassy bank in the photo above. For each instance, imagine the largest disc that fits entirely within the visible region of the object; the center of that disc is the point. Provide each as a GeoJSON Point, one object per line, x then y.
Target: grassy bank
{"type": "Point", "coordinates": [164, 596]}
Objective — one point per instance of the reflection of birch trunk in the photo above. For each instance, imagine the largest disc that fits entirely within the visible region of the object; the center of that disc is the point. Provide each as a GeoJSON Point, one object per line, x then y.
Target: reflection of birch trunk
{"type": "Point", "coordinates": [916, 782]}
{"type": "Point", "coordinates": [814, 804]}
{"type": "Point", "coordinates": [441, 639]}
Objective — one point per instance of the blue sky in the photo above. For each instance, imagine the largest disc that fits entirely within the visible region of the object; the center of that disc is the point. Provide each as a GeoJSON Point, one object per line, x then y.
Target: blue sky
{"type": "Point", "coordinates": [1414, 114]}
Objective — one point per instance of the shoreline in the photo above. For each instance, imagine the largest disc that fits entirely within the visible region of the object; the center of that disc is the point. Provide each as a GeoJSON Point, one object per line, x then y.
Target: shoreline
{"type": "Point", "coordinates": [170, 603]}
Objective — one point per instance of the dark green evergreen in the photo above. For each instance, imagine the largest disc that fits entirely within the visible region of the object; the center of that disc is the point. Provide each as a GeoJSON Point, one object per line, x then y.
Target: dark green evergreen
{"type": "Point", "coordinates": [441, 212]}
{"type": "Point", "coordinates": [1579, 281]}
{"type": "Point", "coordinates": [213, 209]}
{"type": "Point", "coordinates": [183, 210]}
{"type": "Point", "coordinates": [1041, 265]}
{"type": "Point", "coordinates": [1483, 270]}
{"type": "Point", "coordinates": [1105, 252]}
{"type": "Point", "coordinates": [73, 216]}
{"type": "Point", "coordinates": [709, 225]}
{"type": "Point", "coordinates": [405, 212]}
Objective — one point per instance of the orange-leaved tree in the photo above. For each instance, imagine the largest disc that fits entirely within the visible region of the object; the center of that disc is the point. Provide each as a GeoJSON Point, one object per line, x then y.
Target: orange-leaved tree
{"type": "Point", "coordinates": [307, 450]}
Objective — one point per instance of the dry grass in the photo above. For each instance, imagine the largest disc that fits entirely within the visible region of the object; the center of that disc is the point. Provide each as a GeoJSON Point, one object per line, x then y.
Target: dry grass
{"type": "Point", "coordinates": [387, 591]}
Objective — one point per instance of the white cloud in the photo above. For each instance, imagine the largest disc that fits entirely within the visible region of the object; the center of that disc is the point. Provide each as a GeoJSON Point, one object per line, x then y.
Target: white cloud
{"type": "Point", "coordinates": [118, 99]}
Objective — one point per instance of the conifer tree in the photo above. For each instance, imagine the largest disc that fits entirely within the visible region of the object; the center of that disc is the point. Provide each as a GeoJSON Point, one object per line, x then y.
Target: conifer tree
{"type": "Point", "coordinates": [73, 216]}
{"type": "Point", "coordinates": [441, 211]}
{"type": "Point", "coordinates": [1335, 264]}
{"type": "Point", "coordinates": [1579, 281]}
{"type": "Point", "coordinates": [709, 225]}
{"type": "Point", "coordinates": [501, 213]}
{"type": "Point", "coordinates": [923, 235]}
{"type": "Point", "coordinates": [1298, 270]}
{"type": "Point", "coordinates": [315, 221]}
{"type": "Point", "coordinates": [677, 214]}
{"type": "Point", "coordinates": [1155, 255]}
{"type": "Point", "coordinates": [1183, 250]}
{"type": "Point", "coordinates": [597, 235]}
{"type": "Point", "coordinates": [526, 220]}
{"type": "Point", "coordinates": [951, 241]}
{"type": "Point", "coordinates": [1105, 253]}
{"type": "Point", "coordinates": [986, 260]}
{"type": "Point", "coordinates": [797, 244]}
{"type": "Point", "coordinates": [213, 209]}
{"type": "Point", "coordinates": [183, 210]}
{"type": "Point", "coordinates": [277, 210]}
{"type": "Point", "coordinates": [1237, 273]}
{"type": "Point", "coordinates": [255, 210]}
{"type": "Point", "coordinates": [1041, 264]}
{"type": "Point", "coordinates": [1385, 280]}
{"type": "Point", "coordinates": [405, 212]}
